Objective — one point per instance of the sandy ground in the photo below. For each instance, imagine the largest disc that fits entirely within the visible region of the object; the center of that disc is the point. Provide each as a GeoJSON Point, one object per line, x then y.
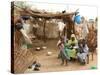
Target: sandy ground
{"type": "Point", "coordinates": [52, 63]}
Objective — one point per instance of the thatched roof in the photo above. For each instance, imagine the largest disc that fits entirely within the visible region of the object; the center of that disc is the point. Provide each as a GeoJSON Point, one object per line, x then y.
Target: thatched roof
{"type": "Point", "coordinates": [47, 15]}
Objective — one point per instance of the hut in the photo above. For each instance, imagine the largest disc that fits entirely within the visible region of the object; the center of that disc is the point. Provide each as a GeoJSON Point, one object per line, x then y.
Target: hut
{"type": "Point", "coordinates": [23, 58]}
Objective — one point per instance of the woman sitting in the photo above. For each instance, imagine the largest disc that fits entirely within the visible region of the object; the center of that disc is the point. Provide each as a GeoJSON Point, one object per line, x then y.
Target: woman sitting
{"type": "Point", "coordinates": [82, 52]}
{"type": "Point", "coordinates": [70, 47]}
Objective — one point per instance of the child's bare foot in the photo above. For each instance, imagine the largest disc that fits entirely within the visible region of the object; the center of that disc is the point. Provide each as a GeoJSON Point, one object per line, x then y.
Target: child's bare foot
{"type": "Point", "coordinates": [62, 63]}
{"type": "Point", "coordinates": [66, 63]}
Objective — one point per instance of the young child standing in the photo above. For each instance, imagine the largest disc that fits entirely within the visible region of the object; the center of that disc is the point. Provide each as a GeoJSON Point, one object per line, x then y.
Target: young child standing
{"type": "Point", "coordinates": [62, 53]}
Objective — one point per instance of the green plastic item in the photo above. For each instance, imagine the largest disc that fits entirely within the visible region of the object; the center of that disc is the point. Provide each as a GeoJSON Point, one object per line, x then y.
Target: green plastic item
{"type": "Point", "coordinates": [93, 67]}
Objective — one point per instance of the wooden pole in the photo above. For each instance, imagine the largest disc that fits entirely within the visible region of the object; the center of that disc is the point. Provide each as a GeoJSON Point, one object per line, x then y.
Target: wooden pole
{"type": "Point", "coordinates": [73, 27]}
{"type": "Point", "coordinates": [44, 25]}
{"type": "Point", "coordinates": [70, 29]}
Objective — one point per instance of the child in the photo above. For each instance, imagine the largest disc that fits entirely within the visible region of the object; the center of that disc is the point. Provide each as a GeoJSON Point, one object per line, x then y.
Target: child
{"type": "Point", "coordinates": [62, 54]}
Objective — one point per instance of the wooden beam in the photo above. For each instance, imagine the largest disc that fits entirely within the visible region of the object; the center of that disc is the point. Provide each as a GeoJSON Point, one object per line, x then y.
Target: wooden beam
{"type": "Point", "coordinates": [47, 15]}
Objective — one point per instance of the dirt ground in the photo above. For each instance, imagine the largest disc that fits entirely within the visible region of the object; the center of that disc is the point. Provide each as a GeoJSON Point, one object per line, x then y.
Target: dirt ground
{"type": "Point", "coordinates": [52, 63]}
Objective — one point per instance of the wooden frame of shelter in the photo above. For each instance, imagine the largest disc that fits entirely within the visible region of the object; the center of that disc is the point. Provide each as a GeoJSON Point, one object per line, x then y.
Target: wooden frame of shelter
{"type": "Point", "coordinates": [67, 18]}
